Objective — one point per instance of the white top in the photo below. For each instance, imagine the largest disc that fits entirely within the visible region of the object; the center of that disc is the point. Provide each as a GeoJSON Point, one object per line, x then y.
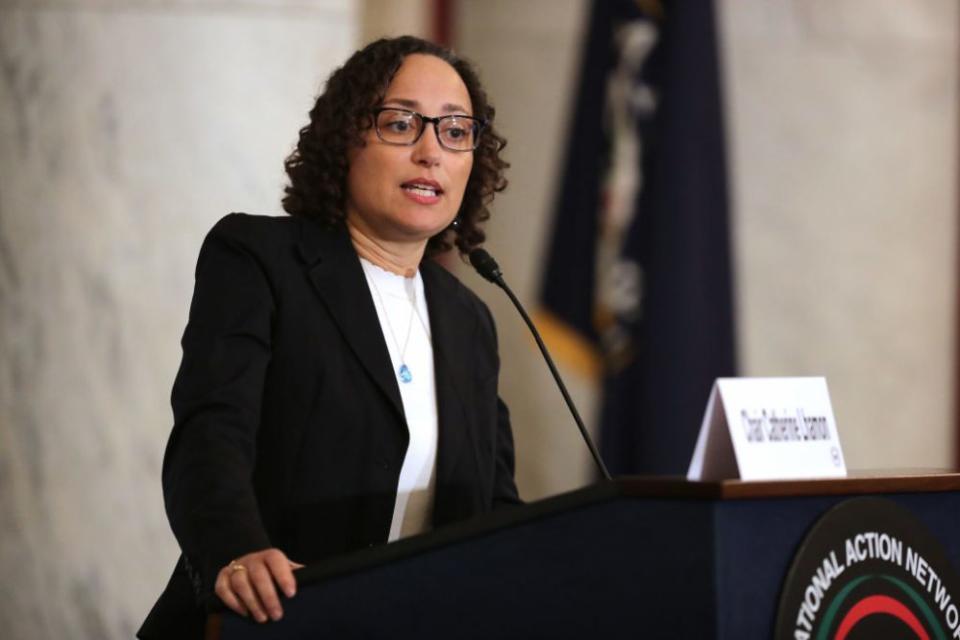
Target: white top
{"type": "Point", "coordinates": [394, 297]}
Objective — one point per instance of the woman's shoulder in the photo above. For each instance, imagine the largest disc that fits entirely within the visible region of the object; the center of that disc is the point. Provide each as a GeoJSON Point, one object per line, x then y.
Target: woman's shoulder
{"type": "Point", "coordinates": [451, 288]}
{"type": "Point", "coordinates": [256, 228]}
{"type": "Point", "coordinates": [269, 238]}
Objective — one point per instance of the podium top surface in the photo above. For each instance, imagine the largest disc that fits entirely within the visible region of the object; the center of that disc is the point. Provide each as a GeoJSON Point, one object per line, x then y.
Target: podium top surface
{"type": "Point", "coordinates": [652, 487]}
{"type": "Point", "coordinates": [858, 482]}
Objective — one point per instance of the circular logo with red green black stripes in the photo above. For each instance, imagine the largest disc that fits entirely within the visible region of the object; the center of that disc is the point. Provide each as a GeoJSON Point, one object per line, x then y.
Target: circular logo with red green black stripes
{"type": "Point", "coordinates": [869, 569]}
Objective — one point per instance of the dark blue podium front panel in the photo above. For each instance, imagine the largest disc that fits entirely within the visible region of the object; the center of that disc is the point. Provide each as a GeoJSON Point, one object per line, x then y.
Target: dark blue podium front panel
{"type": "Point", "coordinates": [612, 567]}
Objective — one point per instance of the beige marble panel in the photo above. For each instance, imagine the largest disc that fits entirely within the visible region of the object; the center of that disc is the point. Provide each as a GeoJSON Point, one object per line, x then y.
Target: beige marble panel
{"type": "Point", "coordinates": [527, 53]}
{"type": "Point", "coordinates": [128, 128]}
{"type": "Point", "coordinates": [844, 153]}
{"type": "Point", "coordinates": [391, 18]}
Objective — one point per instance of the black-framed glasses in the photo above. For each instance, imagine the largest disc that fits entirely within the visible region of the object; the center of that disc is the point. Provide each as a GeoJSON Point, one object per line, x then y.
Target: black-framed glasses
{"type": "Point", "coordinates": [404, 127]}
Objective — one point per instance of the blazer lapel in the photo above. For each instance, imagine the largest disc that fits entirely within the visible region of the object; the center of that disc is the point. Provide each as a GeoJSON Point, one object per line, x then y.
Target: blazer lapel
{"type": "Point", "coordinates": [336, 274]}
{"type": "Point", "coordinates": [452, 328]}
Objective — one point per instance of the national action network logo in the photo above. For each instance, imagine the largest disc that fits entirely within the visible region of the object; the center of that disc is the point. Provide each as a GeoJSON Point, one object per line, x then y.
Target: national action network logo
{"type": "Point", "coordinates": [869, 569]}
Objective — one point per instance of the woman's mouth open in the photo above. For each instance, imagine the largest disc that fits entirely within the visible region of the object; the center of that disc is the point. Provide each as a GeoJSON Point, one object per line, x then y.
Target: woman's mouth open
{"type": "Point", "coordinates": [422, 191]}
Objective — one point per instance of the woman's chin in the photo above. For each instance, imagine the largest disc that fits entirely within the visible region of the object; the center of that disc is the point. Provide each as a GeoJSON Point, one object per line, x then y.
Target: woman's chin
{"type": "Point", "coordinates": [420, 232]}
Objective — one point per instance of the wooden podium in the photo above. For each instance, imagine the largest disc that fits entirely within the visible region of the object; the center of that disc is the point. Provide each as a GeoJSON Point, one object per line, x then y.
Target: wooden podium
{"type": "Point", "coordinates": [635, 558]}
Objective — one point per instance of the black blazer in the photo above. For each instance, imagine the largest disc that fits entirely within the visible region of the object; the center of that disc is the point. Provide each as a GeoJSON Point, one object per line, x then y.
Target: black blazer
{"type": "Point", "coordinates": [289, 430]}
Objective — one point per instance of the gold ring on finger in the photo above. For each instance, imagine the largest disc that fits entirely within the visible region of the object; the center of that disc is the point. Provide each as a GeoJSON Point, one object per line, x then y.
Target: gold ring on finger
{"type": "Point", "coordinates": [236, 566]}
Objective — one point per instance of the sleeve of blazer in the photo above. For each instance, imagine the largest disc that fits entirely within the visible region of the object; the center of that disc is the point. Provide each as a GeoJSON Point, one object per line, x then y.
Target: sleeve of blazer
{"type": "Point", "coordinates": [504, 484]}
{"type": "Point", "coordinates": [505, 487]}
{"type": "Point", "coordinates": [216, 398]}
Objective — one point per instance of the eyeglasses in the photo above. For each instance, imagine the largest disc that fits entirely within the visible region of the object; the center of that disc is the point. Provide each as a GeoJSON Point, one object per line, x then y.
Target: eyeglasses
{"type": "Point", "coordinates": [404, 127]}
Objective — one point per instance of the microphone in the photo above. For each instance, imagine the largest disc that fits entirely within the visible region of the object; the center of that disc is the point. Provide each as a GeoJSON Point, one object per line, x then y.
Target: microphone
{"type": "Point", "coordinates": [487, 267]}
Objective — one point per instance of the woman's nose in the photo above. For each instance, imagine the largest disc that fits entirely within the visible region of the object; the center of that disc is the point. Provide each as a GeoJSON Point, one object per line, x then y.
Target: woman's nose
{"type": "Point", "coordinates": [427, 149]}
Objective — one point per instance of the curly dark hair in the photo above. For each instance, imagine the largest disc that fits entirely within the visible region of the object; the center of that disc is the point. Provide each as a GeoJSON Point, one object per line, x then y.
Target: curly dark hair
{"type": "Point", "coordinates": [342, 114]}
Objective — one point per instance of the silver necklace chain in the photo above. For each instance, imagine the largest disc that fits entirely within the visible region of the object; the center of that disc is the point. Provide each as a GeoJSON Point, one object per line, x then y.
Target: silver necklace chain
{"type": "Point", "coordinates": [403, 372]}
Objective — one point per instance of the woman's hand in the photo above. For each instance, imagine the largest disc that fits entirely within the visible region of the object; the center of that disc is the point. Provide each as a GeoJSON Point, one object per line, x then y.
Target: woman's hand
{"type": "Point", "coordinates": [248, 584]}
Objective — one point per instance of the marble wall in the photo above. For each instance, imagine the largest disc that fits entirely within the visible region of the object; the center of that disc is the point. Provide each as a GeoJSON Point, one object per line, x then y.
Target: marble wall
{"type": "Point", "coordinates": [128, 128]}
{"type": "Point", "coordinates": [843, 142]}
{"type": "Point", "coordinates": [527, 65]}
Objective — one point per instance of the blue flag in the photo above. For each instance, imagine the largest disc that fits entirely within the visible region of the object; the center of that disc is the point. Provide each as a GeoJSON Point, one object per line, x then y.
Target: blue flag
{"type": "Point", "coordinates": [637, 285]}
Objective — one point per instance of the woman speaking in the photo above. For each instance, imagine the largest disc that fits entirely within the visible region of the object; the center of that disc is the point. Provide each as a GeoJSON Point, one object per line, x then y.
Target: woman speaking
{"type": "Point", "coordinates": [338, 390]}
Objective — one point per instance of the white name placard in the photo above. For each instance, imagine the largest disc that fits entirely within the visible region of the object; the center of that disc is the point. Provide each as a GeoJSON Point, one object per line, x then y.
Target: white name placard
{"type": "Point", "coordinates": [768, 429]}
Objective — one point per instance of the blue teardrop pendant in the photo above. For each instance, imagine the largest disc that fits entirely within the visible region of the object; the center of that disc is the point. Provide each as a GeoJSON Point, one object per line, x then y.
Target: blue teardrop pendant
{"type": "Point", "coordinates": [404, 373]}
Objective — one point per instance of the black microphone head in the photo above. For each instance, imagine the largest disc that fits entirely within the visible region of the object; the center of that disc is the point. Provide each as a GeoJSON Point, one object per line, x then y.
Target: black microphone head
{"type": "Point", "coordinates": [486, 266]}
